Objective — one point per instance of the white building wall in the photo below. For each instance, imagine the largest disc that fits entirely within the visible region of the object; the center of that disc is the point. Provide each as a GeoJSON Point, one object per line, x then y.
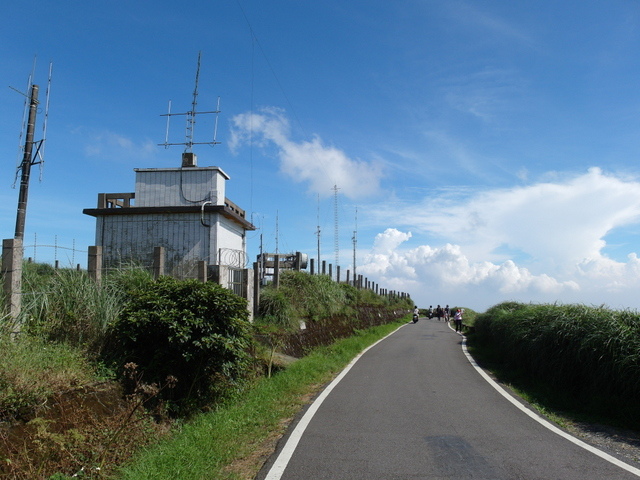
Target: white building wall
{"type": "Point", "coordinates": [126, 237]}
{"type": "Point", "coordinates": [159, 187]}
{"type": "Point", "coordinates": [185, 239]}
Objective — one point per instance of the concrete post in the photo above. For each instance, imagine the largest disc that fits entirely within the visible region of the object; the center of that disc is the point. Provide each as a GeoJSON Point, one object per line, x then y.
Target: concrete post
{"type": "Point", "coordinates": [94, 263]}
{"type": "Point", "coordinates": [324, 267]}
{"type": "Point", "coordinates": [338, 274]}
{"type": "Point", "coordinates": [313, 263]}
{"type": "Point", "coordinates": [276, 271]}
{"type": "Point", "coordinates": [202, 271]}
{"type": "Point", "coordinates": [158, 262]}
{"type": "Point", "coordinates": [249, 295]}
{"type": "Point", "coordinates": [12, 273]}
{"type": "Point", "coordinates": [256, 288]}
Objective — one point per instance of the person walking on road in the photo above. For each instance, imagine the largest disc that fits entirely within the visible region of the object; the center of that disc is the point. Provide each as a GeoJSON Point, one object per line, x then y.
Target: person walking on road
{"type": "Point", "coordinates": [457, 319]}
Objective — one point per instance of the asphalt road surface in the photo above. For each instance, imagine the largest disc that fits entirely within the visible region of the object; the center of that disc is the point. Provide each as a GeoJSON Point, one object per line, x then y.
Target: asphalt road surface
{"type": "Point", "coordinates": [414, 407]}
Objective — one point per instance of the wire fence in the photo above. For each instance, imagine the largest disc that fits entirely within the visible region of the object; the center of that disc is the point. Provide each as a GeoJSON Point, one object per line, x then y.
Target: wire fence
{"type": "Point", "coordinates": [55, 254]}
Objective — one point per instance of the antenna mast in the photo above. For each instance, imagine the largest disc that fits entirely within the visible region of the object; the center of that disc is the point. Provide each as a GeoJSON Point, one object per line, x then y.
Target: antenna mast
{"type": "Point", "coordinates": [191, 122]}
{"type": "Point", "coordinates": [355, 242]}
{"type": "Point", "coordinates": [336, 243]}
{"type": "Point", "coordinates": [30, 157]}
{"type": "Point", "coordinates": [318, 233]}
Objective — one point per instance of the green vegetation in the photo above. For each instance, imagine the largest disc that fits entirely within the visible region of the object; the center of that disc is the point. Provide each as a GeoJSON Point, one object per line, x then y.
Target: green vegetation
{"type": "Point", "coordinates": [315, 298]}
{"type": "Point", "coordinates": [195, 336]}
{"type": "Point", "coordinates": [95, 369]}
{"type": "Point", "coordinates": [567, 357]}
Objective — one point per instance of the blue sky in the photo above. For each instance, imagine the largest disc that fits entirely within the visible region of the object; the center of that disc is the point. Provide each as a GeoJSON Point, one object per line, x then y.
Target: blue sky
{"type": "Point", "coordinates": [490, 148]}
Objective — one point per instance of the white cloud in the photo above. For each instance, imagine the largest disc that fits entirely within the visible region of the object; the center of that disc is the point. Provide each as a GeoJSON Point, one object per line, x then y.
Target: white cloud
{"type": "Point", "coordinates": [543, 242]}
{"type": "Point", "coordinates": [312, 162]}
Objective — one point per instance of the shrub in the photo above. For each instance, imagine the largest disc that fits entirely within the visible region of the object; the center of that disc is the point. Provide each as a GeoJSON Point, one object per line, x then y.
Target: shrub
{"type": "Point", "coordinates": [196, 332]}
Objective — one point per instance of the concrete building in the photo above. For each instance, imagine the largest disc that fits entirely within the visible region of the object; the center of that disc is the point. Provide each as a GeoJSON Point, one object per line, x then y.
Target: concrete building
{"type": "Point", "coordinates": [184, 210]}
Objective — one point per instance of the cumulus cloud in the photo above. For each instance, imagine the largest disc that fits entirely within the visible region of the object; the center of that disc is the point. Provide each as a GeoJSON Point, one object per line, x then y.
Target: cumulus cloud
{"type": "Point", "coordinates": [447, 268]}
{"type": "Point", "coordinates": [320, 166]}
{"type": "Point", "coordinates": [543, 242]}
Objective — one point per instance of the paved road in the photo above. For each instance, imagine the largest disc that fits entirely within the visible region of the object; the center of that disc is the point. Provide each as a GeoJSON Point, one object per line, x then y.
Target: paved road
{"type": "Point", "coordinates": [413, 407]}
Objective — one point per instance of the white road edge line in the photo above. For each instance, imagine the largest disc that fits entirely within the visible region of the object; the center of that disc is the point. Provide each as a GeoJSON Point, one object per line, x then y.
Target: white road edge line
{"type": "Point", "coordinates": [542, 421]}
{"type": "Point", "coordinates": [277, 469]}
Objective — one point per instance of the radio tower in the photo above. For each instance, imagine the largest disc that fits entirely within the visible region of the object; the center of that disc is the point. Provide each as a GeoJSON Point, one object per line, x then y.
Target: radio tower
{"type": "Point", "coordinates": [355, 243]}
{"type": "Point", "coordinates": [336, 243]}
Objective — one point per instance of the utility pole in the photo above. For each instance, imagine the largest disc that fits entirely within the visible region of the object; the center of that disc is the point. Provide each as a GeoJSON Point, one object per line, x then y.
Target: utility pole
{"type": "Point", "coordinates": [12, 248]}
{"type": "Point", "coordinates": [27, 162]}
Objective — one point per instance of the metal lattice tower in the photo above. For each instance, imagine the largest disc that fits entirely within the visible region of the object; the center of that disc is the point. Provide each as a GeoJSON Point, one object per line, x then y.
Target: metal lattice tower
{"type": "Point", "coordinates": [336, 238]}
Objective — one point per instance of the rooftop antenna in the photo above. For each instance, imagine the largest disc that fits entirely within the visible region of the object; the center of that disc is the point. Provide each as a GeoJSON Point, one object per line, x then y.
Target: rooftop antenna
{"type": "Point", "coordinates": [32, 151]}
{"type": "Point", "coordinates": [188, 157]}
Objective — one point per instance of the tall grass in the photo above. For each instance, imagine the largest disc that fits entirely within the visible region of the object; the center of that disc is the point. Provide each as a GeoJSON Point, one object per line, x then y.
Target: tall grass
{"type": "Point", "coordinates": [591, 353]}
{"type": "Point", "coordinates": [66, 306]}
{"type": "Point", "coordinates": [304, 297]}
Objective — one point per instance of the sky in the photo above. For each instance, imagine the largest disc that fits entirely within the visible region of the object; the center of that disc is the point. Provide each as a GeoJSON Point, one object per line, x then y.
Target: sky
{"type": "Point", "coordinates": [479, 152]}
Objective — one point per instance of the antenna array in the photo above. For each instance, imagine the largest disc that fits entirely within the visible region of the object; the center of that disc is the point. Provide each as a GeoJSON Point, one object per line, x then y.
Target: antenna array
{"type": "Point", "coordinates": [33, 150]}
{"type": "Point", "coordinates": [191, 119]}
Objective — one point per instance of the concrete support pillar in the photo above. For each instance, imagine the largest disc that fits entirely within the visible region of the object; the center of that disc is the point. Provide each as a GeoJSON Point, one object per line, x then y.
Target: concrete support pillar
{"type": "Point", "coordinates": [338, 274]}
{"type": "Point", "coordinates": [313, 263]}
{"type": "Point", "coordinates": [12, 273]}
{"type": "Point", "coordinates": [158, 262]}
{"type": "Point", "coordinates": [276, 271]}
{"type": "Point", "coordinates": [94, 263]}
{"type": "Point", "coordinates": [202, 270]}
{"type": "Point", "coordinates": [256, 288]}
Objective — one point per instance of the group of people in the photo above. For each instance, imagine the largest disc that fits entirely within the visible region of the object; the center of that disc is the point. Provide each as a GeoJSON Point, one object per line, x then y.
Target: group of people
{"type": "Point", "coordinates": [442, 313]}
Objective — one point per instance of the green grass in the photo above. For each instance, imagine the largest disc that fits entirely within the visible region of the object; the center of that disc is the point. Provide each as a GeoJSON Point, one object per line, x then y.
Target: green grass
{"type": "Point", "coordinates": [32, 369]}
{"type": "Point", "coordinates": [236, 429]}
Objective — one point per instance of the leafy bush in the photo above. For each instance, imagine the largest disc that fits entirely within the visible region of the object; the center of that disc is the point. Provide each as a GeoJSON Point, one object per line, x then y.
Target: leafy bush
{"type": "Point", "coordinates": [197, 333]}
